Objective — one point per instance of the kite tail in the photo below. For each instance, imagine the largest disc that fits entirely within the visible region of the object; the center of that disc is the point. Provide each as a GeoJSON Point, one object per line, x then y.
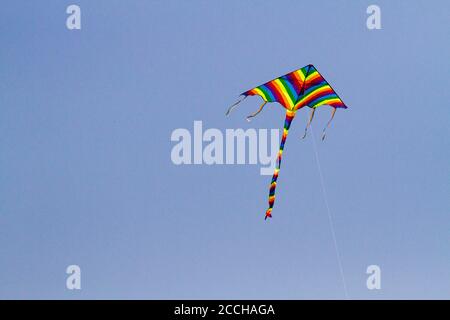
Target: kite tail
{"type": "Point", "coordinates": [287, 123]}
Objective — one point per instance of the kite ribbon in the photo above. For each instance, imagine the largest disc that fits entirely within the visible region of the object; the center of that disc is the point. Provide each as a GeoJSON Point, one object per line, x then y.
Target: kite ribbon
{"type": "Point", "coordinates": [328, 124]}
{"type": "Point", "coordinates": [234, 105]}
{"type": "Point", "coordinates": [311, 116]}
{"type": "Point", "coordinates": [287, 123]}
{"type": "Point", "coordinates": [257, 112]}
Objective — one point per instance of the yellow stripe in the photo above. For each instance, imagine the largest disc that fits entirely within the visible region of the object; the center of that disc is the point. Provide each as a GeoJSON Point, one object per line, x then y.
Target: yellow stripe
{"type": "Point", "coordinates": [327, 102]}
{"type": "Point", "coordinates": [283, 91]}
{"type": "Point", "coordinates": [290, 113]}
{"type": "Point", "coordinates": [326, 87]}
{"type": "Point", "coordinates": [259, 92]}
{"type": "Point", "coordinates": [300, 74]}
{"type": "Point", "coordinates": [313, 76]}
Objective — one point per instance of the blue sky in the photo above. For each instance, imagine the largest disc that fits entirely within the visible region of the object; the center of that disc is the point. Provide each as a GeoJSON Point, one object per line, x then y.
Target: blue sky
{"type": "Point", "coordinates": [86, 175]}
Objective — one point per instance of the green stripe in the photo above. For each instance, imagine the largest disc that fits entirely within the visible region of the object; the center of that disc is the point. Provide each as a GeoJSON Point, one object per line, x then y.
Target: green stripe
{"type": "Point", "coordinates": [286, 86]}
{"type": "Point", "coordinates": [304, 70]}
{"type": "Point", "coordinates": [312, 92]}
{"type": "Point", "coordinates": [317, 104]}
{"type": "Point", "coordinates": [266, 95]}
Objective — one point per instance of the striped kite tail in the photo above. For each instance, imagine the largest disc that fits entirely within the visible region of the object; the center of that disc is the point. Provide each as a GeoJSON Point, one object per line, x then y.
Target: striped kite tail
{"type": "Point", "coordinates": [273, 185]}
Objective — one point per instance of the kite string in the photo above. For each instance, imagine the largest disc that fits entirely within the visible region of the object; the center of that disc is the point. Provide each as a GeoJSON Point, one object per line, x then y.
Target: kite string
{"type": "Point", "coordinates": [330, 218]}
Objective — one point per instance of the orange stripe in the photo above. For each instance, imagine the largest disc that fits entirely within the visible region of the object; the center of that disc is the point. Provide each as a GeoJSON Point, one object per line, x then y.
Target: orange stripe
{"type": "Point", "coordinates": [313, 95]}
{"type": "Point", "coordinates": [286, 100]}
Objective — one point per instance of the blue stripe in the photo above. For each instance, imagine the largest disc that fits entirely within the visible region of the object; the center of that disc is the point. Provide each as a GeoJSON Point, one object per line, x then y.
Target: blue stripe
{"type": "Point", "coordinates": [291, 87]}
{"type": "Point", "coordinates": [268, 92]}
{"type": "Point", "coordinates": [311, 89]}
{"type": "Point", "coordinates": [328, 96]}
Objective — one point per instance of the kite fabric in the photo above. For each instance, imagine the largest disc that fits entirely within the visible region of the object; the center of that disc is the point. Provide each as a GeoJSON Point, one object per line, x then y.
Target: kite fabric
{"type": "Point", "coordinates": [295, 90]}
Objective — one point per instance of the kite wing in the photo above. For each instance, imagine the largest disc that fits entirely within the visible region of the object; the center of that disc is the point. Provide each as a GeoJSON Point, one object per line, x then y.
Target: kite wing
{"type": "Point", "coordinates": [285, 90]}
{"type": "Point", "coordinates": [318, 92]}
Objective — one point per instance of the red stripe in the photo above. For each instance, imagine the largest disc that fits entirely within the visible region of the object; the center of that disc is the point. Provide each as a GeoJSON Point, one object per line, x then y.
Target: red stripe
{"type": "Point", "coordinates": [316, 95]}
{"type": "Point", "coordinates": [277, 94]}
{"type": "Point", "coordinates": [297, 82]}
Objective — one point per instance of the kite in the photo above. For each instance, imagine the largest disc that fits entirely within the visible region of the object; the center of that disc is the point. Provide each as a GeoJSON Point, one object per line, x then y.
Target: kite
{"type": "Point", "coordinates": [295, 90]}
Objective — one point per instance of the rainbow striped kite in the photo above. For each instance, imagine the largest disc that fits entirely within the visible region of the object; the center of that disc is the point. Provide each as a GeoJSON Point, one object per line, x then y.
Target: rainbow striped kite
{"type": "Point", "coordinates": [295, 90]}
